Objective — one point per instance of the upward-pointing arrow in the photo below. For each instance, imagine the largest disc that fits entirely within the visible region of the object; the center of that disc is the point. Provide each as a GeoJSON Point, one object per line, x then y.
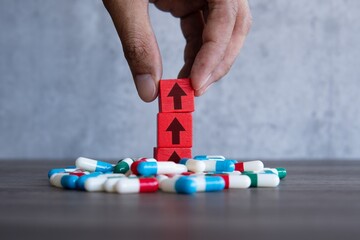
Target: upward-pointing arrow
{"type": "Point", "coordinates": [177, 92]}
{"type": "Point", "coordinates": [175, 127]}
{"type": "Point", "coordinates": [174, 157]}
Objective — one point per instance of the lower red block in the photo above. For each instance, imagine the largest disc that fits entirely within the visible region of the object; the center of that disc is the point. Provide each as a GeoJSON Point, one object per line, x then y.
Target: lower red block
{"type": "Point", "coordinates": [171, 154]}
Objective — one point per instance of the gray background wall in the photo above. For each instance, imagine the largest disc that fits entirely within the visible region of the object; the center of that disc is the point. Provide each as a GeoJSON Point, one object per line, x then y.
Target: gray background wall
{"type": "Point", "coordinates": [66, 91]}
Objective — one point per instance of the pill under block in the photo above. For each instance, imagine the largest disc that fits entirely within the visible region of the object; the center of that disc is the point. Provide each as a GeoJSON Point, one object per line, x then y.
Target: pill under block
{"type": "Point", "coordinates": [176, 95]}
{"type": "Point", "coordinates": [171, 154]}
{"type": "Point", "coordinates": [174, 130]}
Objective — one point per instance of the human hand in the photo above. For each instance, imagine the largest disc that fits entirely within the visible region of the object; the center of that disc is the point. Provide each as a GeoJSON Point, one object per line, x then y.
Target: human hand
{"type": "Point", "coordinates": [214, 30]}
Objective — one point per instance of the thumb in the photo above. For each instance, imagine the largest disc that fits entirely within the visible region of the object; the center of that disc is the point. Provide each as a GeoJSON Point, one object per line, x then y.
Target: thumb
{"type": "Point", "coordinates": [131, 20]}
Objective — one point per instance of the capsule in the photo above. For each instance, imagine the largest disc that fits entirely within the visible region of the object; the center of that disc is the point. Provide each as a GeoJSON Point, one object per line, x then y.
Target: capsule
{"type": "Point", "coordinates": [79, 173]}
{"type": "Point", "coordinates": [281, 172]}
{"type": "Point", "coordinates": [135, 164]}
{"type": "Point", "coordinates": [219, 166]}
{"type": "Point", "coordinates": [91, 165]}
{"type": "Point", "coordinates": [153, 168]}
{"type": "Point", "coordinates": [262, 180]}
{"type": "Point", "coordinates": [256, 165]}
{"type": "Point", "coordinates": [190, 184]}
{"type": "Point", "coordinates": [80, 184]}
{"type": "Point", "coordinates": [123, 166]}
{"type": "Point", "coordinates": [109, 184]}
{"type": "Point", "coordinates": [209, 157]}
{"type": "Point", "coordinates": [64, 180]}
{"type": "Point", "coordinates": [235, 181]}
{"type": "Point", "coordinates": [137, 185]}
{"type": "Point", "coordinates": [161, 177]}
{"type": "Point", "coordinates": [193, 165]}
{"type": "Point", "coordinates": [61, 170]}
{"type": "Point", "coordinates": [96, 184]}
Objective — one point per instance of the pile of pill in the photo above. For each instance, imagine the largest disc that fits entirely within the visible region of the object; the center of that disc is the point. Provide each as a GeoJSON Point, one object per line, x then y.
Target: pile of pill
{"type": "Point", "coordinates": [202, 173]}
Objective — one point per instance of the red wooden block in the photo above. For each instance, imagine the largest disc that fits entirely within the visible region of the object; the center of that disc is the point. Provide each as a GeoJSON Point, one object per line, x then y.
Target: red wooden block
{"type": "Point", "coordinates": [174, 130]}
{"type": "Point", "coordinates": [176, 95]}
{"type": "Point", "coordinates": [171, 154]}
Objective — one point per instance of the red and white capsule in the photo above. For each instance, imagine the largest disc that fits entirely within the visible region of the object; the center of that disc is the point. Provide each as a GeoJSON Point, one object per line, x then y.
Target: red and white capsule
{"type": "Point", "coordinates": [255, 166]}
{"type": "Point", "coordinates": [235, 181]}
{"type": "Point", "coordinates": [137, 185]}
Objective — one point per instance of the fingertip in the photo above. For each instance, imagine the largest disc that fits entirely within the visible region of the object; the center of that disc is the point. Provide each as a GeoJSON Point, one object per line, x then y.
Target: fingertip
{"type": "Point", "coordinates": [146, 87]}
{"type": "Point", "coordinates": [199, 82]}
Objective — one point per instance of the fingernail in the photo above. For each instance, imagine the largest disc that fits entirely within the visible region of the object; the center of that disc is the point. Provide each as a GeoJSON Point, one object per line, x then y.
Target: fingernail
{"type": "Point", "coordinates": [201, 92]}
{"type": "Point", "coordinates": [145, 86]}
{"type": "Point", "coordinates": [203, 84]}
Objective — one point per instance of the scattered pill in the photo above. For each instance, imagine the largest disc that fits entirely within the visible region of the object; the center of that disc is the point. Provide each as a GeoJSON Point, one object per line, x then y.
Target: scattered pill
{"type": "Point", "coordinates": [123, 166]}
{"type": "Point", "coordinates": [249, 166]}
{"type": "Point", "coordinates": [262, 180]}
{"type": "Point", "coordinates": [209, 157]}
{"type": "Point", "coordinates": [281, 172]}
{"type": "Point", "coordinates": [64, 180]}
{"type": "Point", "coordinates": [219, 166]}
{"type": "Point", "coordinates": [135, 164]}
{"type": "Point", "coordinates": [137, 185]}
{"type": "Point", "coordinates": [193, 165]}
{"type": "Point", "coordinates": [80, 184]}
{"type": "Point", "coordinates": [96, 184]}
{"type": "Point", "coordinates": [235, 181]}
{"type": "Point", "coordinates": [190, 184]}
{"type": "Point", "coordinates": [79, 173]}
{"type": "Point", "coordinates": [91, 165]}
{"type": "Point", "coordinates": [61, 170]}
{"type": "Point", "coordinates": [153, 168]}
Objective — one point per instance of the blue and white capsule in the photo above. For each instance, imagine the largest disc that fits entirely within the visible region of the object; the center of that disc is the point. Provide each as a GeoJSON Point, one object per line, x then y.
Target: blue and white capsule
{"type": "Point", "coordinates": [80, 184]}
{"type": "Point", "coordinates": [64, 180]}
{"type": "Point", "coordinates": [209, 157]}
{"type": "Point", "coordinates": [153, 168]}
{"type": "Point", "coordinates": [92, 165]}
{"type": "Point", "coordinates": [219, 166]}
{"type": "Point", "coordinates": [190, 184]}
{"type": "Point", "coordinates": [61, 170]}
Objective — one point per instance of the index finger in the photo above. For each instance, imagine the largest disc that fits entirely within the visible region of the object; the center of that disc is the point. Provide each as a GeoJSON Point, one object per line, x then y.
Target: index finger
{"type": "Point", "coordinates": [216, 37]}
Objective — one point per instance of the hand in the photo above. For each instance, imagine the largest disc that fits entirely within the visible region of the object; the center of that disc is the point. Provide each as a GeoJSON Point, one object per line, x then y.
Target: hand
{"type": "Point", "coordinates": [214, 30]}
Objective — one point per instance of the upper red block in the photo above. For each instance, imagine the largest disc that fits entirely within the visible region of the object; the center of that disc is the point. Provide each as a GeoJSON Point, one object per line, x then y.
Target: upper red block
{"type": "Point", "coordinates": [176, 95]}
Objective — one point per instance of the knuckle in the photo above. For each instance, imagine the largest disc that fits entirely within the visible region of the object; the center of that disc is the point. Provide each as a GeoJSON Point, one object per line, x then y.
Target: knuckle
{"type": "Point", "coordinates": [135, 48]}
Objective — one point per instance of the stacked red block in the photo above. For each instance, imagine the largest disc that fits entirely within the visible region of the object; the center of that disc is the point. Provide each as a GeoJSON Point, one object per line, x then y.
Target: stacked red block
{"type": "Point", "coordinates": [174, 120]}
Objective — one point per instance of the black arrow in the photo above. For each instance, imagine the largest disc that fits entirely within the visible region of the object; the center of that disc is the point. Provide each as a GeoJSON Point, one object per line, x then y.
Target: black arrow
{"type": "Point", "coordinates": [175, 127]}
{"type": "Point", "coordinates": [177, 92]}
{"type": "Point", "coordinates": [174, 157]}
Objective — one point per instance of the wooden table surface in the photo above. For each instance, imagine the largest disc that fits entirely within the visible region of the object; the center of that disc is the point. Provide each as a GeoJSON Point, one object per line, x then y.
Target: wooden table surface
{"type": "Point", "coordinates": [317, 200]}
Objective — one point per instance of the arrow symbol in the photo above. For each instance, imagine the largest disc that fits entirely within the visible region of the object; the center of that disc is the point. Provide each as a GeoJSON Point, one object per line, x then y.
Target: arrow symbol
{"type": "Point", "coordinates": [174, 157]}
{"type": "Point", "coordinates": [177, 92]}
{"type": "Point", "coordinates": [175, 127]}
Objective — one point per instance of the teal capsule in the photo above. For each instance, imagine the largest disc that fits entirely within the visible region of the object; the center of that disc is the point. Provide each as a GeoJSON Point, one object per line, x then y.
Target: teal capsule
{"type": "Point", "coordinates": [262, 179]}
{"type": "Point", "coordinates": [281, 172]}
{"type": "Point", "coordinates": [123, 166]}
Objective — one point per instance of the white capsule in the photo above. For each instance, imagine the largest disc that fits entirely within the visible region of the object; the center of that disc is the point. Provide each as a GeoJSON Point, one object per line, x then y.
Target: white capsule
{"type": "Point", "coordinates": [96, 184]}
{"type": "Point", "coordinates": [161, 177]}
{"type": "Point", "coordinates": [109, 184]}
{"type": "Point", "coordinates": [192, 165]}
{"type": "Point", "coordinates": [263, 180]}
{"type": "Point", "coordinates": [256, 165]}
{"type": "Point", "coordinates": [92, 165]}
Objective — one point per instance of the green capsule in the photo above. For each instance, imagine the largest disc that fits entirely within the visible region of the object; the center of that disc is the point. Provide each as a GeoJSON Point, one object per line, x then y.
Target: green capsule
{"type": "Point", "coordinates": [263, 179]}
{"type": "Point", "coordinates": [281, 172]}
{"type": "Point", "coordinates": [123, 166]}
